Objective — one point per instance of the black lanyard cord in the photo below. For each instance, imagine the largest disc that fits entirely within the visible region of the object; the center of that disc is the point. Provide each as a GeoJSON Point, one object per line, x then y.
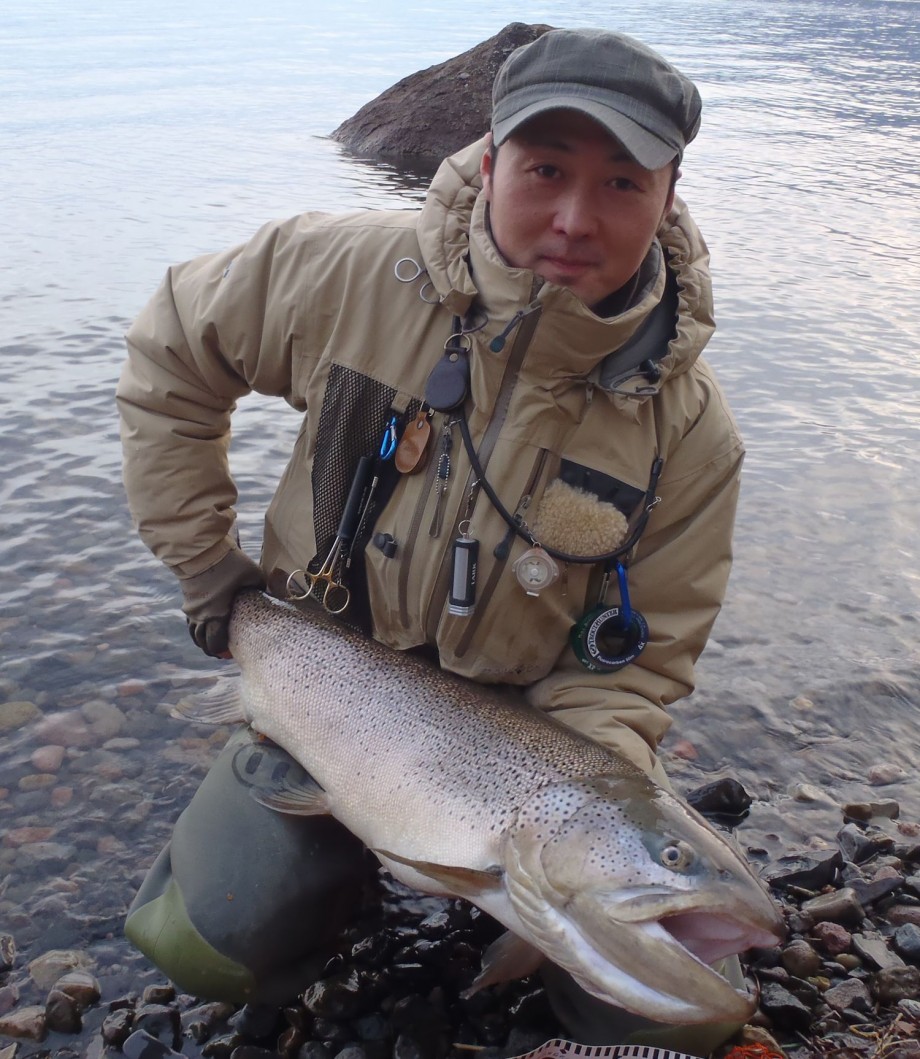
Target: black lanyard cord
{"type": "Point", "coordinates": [608, 558]}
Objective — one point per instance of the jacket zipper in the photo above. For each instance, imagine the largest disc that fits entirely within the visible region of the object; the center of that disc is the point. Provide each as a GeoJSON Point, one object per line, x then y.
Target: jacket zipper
{"type": "Point", "coordinates": [402, 584]}
{"type": "Point", "coordinates": [526, 331]}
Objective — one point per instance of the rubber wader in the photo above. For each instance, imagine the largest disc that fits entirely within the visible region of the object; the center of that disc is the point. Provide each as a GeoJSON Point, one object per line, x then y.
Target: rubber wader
{"type": "Point", "coordinates": [591, 1021]}
{"type": "Point", "coordinates": [244, 903]}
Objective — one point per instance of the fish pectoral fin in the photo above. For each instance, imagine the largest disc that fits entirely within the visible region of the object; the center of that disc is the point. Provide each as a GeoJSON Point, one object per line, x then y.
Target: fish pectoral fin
{"type": "Point", "coordinates": [220, 704]}
{"type": "Point", "coordinates": [508, 957]}
{"type": "Point", "coordinates": [297, 797]}
{"type": "Point", "coordinates": [457, 879]}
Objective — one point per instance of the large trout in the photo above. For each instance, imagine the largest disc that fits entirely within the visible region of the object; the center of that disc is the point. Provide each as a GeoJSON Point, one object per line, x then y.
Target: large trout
{"type": "Point", "coordinates": [464, 790]}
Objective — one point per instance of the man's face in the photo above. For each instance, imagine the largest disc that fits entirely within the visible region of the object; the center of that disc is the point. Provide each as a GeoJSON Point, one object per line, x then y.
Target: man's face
{"type": "Point", "coordinates": [567, 202]}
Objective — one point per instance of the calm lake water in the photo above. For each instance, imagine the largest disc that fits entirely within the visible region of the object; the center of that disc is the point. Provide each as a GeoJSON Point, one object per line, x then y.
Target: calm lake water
{"type": "Point", "coordinates": [136, 135]}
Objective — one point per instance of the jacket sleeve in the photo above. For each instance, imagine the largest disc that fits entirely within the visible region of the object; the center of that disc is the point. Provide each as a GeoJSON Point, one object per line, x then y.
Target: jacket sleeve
{"type": "Point", "coordinates": [677, 581]}
{"type": "Point", "coordinates": [217, 328]}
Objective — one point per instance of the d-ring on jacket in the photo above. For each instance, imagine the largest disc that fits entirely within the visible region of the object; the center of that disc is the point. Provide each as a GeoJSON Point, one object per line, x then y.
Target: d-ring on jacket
{"type": "Point", "coordinates": [311, 310]}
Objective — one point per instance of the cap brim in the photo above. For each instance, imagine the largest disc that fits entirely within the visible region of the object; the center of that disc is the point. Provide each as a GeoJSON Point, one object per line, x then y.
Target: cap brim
{"type": "Point", "coordinates": [649, 150]}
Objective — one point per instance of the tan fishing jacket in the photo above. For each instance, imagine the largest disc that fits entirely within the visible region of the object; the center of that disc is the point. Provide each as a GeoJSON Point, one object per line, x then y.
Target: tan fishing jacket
{"type": "Point", "coordinates": [324, 312]}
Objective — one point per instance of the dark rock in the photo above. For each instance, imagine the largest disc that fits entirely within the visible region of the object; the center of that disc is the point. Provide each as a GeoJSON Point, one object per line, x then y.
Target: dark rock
{"type": "Point", "coordinates": [865, 811]}
{"type": "Point", "coordinates": [343, 996]}
{"type": "Point", "coordinates": [159, 1021]}
{"type": "Point", "coordinates": [158, 994]}
{"type": "Point", "coordinates": [832, 937]}
{"type": "Point", "coordinates": [255, 1021]}
{"type": "Point", "coordinates": [117, 1026]}
{"type": "Point", "coordinates": [7, 952]}
{"type": "Point", "coordinates": [314, 1050]}
{"type": "Point", "coordinates": [62, 1014]}
{"type": "Point", "coordinates": [9, 998]}
{"type": "Point", "coordinates": [252, 1051]}
{"type": "Point", "coordinates": [81, 987]}
{"type": "Point", "coordinates": [873, 950]}
{"type": "Point", "coordinates": [222, 1047]}
{"type": "Point", "coordinates": [409, 1046]}
{"type": "Point", "coordinates": [433, 113]}
{"type": "Point", "coordinates": [290, 1042]}
{"type": "Point", "coordinates": [371, 1028]}
{"type": "Point", "coordinates": [810, 871]}
{"type": "Point", "coordinates": [840, 906]}
{"type": "Point", "coordinates": [907, 942]}
{"type": "Point", "coordinates": [143, 1045]}
{"type": "Point", "coordinates": [869, 893]}
{"type": "Point", "coordinates": [723, 799]}
{"type": "Point", "coordinates": [374, 950]}
{"type": "Point", "coordinates": [335, 1034]}
{"type": "Point", "coordinates": [351, 1051]}
{"type": "Point", "coordinates": [436, 925]}
{"type": "Point", "coordinates": [851, 994]}
{"type": "Point", "coordinates": [800, 959]}
{"type": "Point", "coordinates": [200, 1022]}
{"type": "Point", "coordinates": [783, 1008]}
{"type": "Point", "coordinates": [892, 984]}
{"type": "Point", "coordinates": [858, 844]}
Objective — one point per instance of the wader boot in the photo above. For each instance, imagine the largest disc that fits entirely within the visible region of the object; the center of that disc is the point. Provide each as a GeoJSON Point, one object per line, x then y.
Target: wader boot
{"type": "Point", "coordinates": [591, 1021]}
{"type": "Point", "coordinates": [244, 903]}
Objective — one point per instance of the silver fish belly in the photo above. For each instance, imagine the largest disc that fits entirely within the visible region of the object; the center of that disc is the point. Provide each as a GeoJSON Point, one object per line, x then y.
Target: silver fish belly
{"type": "Point", "coordinates": [465, 790]}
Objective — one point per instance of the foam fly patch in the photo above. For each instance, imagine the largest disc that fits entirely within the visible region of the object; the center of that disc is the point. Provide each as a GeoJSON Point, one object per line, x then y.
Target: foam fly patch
{"type": "Point", "coordinates": [574, 520]}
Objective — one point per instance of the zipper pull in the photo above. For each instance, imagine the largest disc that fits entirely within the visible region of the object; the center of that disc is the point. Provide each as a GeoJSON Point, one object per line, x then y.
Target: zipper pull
{"type": "Point", "coordinates": [442, 475]}
{"type": "Point", "coordinates": [503, 549]}
{"type": "Point", "coordinates": [500, 341]}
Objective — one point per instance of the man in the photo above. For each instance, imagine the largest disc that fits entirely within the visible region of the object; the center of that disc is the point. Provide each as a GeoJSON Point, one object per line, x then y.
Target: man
{"type": "Point", "coordinates": [521, 359]}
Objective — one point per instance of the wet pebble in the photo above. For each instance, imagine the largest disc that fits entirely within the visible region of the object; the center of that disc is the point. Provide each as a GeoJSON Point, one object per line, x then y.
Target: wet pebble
{"type": "Point", "coordinates": [45, 970]}
{"type": "Point", "coordinates": [26, 1023]}
{"type": "Point", "coordinates": [117, 1027]}
{"type": "Point", "coordinates": [16, 715]}
{"type": "Point", "coordinates": [832, 937]}
{"type": "Point", "coordinates": [800, 959]}
{"type": "Point", "coordinates": [851, 994]}
{"type": "Point", "coordinates": [884, 773]}
{"type": "Point", "coordinates": [47, 758]}
{"type": "Point", "coordinates": [906, 941]}
{"type": "Point", "coordinates": [62, 1014]}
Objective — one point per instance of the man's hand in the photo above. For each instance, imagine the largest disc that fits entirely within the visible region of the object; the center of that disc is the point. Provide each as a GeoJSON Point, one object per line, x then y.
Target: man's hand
{"type": "Point", "coordinates": [209, 599]}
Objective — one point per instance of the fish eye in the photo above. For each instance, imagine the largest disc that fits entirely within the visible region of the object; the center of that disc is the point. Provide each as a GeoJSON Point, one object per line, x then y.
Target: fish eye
{"type": "Point", "coordinates": [677, 856]}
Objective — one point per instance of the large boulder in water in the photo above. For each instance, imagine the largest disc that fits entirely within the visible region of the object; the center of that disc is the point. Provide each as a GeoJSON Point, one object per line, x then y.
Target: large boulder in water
{"type": "Point", "coordinates": [433, 113]}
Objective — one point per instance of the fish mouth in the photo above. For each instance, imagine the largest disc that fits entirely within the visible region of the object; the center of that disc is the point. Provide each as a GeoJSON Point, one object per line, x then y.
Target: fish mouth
{"type": "Point", "coordinates": [711, 936]}
{"type": "Point", "coordinates": [655, 959]}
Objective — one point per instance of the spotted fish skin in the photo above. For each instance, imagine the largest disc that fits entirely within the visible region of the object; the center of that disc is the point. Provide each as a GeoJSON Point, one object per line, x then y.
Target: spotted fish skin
{"type": "Point", "coordinates": [466, 790]}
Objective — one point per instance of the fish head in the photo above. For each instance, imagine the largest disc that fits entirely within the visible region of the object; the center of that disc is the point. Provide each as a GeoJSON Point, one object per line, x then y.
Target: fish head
{"type": "Point", "coordinates": [636, 896]}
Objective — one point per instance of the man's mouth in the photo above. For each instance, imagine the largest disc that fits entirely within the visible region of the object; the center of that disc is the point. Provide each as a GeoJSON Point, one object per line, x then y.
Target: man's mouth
{"type": "Point", "coordinates": [566, 269]}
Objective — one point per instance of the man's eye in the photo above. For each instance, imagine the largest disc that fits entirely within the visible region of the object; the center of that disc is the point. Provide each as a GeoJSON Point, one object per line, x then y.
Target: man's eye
{"type": "Point", "coordinates": [624, 184]}
{"type": "Point", "coordinates": [547, 171]}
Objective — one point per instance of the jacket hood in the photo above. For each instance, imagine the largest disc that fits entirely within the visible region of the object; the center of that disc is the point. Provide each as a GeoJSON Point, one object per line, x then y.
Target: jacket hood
{"type": "Point", "coordinates": [467, 271]}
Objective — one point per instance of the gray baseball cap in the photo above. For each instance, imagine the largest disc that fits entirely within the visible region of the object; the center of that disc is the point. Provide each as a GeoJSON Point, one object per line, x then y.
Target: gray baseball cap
{"type": "Point", "coordinates": [639, 97]}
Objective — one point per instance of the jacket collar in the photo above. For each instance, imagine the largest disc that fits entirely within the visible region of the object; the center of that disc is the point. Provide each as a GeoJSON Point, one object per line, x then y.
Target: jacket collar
{"type": "Point", "coordinates": [468, 272]}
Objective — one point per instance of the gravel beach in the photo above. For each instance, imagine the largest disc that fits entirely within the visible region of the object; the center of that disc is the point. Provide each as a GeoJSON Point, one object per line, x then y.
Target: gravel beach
{"type": "Point", "coordinates": [846, 983]}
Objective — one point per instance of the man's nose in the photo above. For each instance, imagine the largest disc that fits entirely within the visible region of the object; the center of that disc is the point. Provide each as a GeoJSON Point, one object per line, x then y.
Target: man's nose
{"type": "Point", "coordinates": [576, 215]}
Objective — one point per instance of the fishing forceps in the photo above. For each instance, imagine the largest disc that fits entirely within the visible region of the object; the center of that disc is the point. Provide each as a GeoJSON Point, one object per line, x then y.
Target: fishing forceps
{"type": "Point", "coordinates": [322, 586]}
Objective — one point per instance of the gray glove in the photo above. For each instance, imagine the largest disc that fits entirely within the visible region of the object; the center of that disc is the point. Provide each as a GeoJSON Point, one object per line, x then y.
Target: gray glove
{"type": "Point", "coordinates": [209, 599]}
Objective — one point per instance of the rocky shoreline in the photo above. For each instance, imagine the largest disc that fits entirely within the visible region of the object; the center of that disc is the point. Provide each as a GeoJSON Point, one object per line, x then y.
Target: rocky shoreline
{"type": "Point", "coordinates": [844, 985]}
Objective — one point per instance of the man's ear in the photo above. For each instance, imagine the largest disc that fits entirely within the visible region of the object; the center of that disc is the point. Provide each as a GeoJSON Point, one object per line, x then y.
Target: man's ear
{"type": "Point", "coordinates": [485, 169]}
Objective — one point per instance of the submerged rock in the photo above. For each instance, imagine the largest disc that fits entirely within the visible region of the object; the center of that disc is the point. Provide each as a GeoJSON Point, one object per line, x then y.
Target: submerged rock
{"type": "Point", "coordinates": [433, 113]}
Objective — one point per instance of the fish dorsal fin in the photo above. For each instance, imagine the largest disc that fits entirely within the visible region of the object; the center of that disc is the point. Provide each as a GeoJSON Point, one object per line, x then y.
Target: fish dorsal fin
{"type": "Point", "coordinates": [457, 880]}
{"type": "Point", "coordinates": [508, 957]}
{"type": "Point", "coordinates": [302, 796]}
{"type": "Point", "coordinates": [222, 703]}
